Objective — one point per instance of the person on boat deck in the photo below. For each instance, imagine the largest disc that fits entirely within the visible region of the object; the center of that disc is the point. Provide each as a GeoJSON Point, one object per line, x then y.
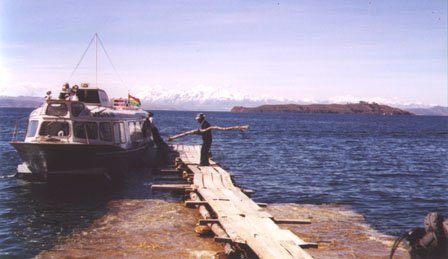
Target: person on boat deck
{"type": "Point", "coordinates": [206, 139]}
{"type": "Point", "coordinates": [147, 124]}
{"type": "Point", "coordinates": [73, 96]}
{"type": "Point", "coordinates": [65, 92]}
{"type": "Point", "coordinates": [48, 96]}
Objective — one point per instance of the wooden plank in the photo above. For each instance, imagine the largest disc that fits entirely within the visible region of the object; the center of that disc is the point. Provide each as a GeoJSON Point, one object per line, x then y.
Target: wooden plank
{"type": "Point", "coordinates": [207, 221]}
{"type": "Point", "coordinates": [291, 221]}
{"type": "Point", "coordinates": [309, 245]}
{"type": "Point", "coordinates": [222, 239]}
{"type": "Point", "coordinates": [173, 187]}
{"type": "Point", "coordinates": [262, 204]}
{"type": "Point", "coordinates": [195, 203]}
{"type": "Point", "coordinates": [225, 177]}
{"type": "Point", "coordinates": [241, 218]}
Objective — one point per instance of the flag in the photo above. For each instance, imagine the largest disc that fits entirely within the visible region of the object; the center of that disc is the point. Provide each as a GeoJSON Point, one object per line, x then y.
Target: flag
{"type": "Point", "coordinates": [134, 101]}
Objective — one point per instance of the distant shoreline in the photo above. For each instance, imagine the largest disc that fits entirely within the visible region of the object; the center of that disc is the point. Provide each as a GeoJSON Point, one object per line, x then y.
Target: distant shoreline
{"type": "Point", "coordinates": [351, 108]}
{"type": "Point", "coordinates": [34, 102]}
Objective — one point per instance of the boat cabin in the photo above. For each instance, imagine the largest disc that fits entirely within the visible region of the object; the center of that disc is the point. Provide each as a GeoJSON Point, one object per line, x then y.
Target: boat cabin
{"type": "Point", "coordinates": [91, 120]}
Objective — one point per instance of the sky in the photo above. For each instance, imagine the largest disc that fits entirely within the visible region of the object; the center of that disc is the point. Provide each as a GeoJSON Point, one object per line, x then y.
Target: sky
{"type": "Point", "coordinates": [391, 50]}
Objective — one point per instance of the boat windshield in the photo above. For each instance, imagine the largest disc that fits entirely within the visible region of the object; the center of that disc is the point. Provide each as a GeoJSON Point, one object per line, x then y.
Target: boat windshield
{"type": "Point", "coordinates": [77, 108]}
{"type": "Point", "coordinates": [54, 129]}
{"type": "Point", "coordinates": [32, 128]}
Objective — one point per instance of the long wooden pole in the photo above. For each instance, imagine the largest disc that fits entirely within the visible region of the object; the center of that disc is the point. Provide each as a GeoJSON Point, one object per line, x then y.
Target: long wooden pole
{"type": "Point", "coordinates": [197, 131]}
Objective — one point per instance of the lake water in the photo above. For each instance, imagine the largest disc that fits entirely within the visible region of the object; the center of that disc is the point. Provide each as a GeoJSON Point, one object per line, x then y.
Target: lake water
{"type": "Point", "coordinates": [391, 169]}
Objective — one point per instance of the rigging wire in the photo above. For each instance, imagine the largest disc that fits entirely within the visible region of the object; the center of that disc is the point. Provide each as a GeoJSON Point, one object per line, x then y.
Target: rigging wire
{"type": "Point", "coordinates": [97, 38]}
{"type": "Point", "coordinates": [82, 57]}
{"type": "Point", "coordinates": [110, 60]}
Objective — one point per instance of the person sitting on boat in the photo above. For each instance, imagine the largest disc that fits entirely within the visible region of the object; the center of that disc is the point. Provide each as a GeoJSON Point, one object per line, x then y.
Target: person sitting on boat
{"type": "Point", "coordinates": [65, 92]}
{"type": "Point", "coordinates": [73, 96]}
{"type": "Point", "coordinates": [206, 139]}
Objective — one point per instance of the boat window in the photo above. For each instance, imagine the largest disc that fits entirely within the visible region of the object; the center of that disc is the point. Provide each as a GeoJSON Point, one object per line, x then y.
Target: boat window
{"type": "Point", "coordinates": [119, 133]}
{"type": "Point", "coordinates": [135, 131]}
{"type": "Point", "coordinates": [54, 128]}
{"type": "Point", "coordinates": [81, 129]}
{"type": "Point", "coordinates": [104, 98]}
{"type": "Point", "coordinates": [56, 109]}
{"type": "Point", "coordinates": [32, 129]}
{"type": "Point", "coordinates": [88, 96]}
{"type": "Point", "coordinates": [77, 108]}
{"type": "Point", "coordinates": [105, 131]}
{"type": "Point", "coordinates": [123, 133]}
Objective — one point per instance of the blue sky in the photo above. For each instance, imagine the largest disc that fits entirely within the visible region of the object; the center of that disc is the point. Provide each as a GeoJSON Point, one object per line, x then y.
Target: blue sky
{"type": "Point", "coordinates": [315, 50]}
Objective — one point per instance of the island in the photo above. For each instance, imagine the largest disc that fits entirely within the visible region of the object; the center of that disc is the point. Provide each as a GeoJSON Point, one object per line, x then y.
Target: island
{"type": "Point", "coordinates": [350, 108]}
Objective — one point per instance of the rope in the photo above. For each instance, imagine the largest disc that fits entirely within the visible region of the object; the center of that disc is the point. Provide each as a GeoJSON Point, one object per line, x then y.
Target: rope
{"type": "Point", "coordinates": [82, 57]}
{"type": "Point", "coordinates": [397, 243]}
{"type": "Point", "coordinates": [110, 60]}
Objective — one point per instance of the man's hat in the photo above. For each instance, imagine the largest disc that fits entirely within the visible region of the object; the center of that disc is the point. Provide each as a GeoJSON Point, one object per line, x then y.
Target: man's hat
{"type": "Point", "coordinates": [200, 116]}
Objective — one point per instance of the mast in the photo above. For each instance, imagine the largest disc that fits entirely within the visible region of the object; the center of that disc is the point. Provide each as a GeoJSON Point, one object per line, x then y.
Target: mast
{"type": "Point", "coordinates": [96, 60]}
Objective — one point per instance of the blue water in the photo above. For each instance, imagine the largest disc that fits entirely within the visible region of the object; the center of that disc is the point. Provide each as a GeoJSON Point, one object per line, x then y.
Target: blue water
{"type": "Point", "coordinates": [391, 169]}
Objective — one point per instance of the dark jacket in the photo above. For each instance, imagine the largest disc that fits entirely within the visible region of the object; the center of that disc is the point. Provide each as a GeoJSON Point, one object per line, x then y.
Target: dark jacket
{"type": "Point", "coordinates": [206, 136]}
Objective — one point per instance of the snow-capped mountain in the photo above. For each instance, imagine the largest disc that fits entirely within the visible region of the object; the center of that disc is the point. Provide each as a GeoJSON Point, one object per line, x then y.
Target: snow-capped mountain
{"type": "Point", "coordinates": [214, 99]}
{"type": "Point", "coordinates": [202, 98]}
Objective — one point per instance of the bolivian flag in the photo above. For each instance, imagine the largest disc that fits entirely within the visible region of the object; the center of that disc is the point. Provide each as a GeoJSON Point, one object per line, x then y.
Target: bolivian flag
{"type": "Point", "coordinates": [134, 101]}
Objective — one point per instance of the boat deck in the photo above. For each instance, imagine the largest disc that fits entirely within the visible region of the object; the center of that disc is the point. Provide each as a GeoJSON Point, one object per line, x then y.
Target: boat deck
{"type": "Point", "coordinates": [239, 220]}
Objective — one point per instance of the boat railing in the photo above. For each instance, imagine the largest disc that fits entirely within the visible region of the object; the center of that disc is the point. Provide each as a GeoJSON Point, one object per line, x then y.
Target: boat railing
{"type": "Point", "coordinates": [18, 130]}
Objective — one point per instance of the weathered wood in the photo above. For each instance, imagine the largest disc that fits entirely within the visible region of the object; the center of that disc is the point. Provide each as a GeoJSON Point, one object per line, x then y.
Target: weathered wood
{"type": "Point", "coordinates": [309, 245]}
{"type": "Point", "coordinates": [291, 221]}
{"type": "Point", "coordinates": [236, 217]}
{"type": "Point", "coordinates": [198, 131]}
{"type": "Point", "coordinates": [207, 221]}
{"type": "Point", "coordinates": [224, 239]}
{"type": "Point", "coordinates": [174, 187]}
{"type": "Point", "coordinates": [195, 203]}
{"type": "Point", "coordinates": [248, 191]}
{"type": "Point", "coordinates": [215, 227]}
{"type": "Point", "coordinates": [262, 204]}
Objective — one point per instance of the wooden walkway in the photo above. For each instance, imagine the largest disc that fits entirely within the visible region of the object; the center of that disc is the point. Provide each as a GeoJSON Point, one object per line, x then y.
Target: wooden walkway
{"type": "Point", "coordinates": [244, 222]}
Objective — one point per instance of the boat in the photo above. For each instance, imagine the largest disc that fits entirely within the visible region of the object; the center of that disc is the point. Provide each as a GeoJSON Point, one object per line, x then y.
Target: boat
{"type": "Point", "coordinates": [85, 132]}
{"type": "Point", "coordinates": [87, 136]}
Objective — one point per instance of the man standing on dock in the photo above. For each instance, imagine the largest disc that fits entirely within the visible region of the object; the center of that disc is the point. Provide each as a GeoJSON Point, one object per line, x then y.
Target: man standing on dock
{"type": "Point", "coordinates": [206, 139]}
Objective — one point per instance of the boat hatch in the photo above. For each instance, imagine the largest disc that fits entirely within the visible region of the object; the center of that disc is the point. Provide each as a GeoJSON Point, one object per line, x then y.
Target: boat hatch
{"type": "Point", "coordinates": [61, 108]}
{"type": "Point", "coordinates": [56, 109]}
{"type": "Point", "coordinates": [93, 96]}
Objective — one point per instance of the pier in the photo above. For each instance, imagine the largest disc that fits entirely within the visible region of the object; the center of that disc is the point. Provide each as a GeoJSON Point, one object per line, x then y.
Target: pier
{"type": "Point", "coordinates": [137, 224]}
{"type": "Point", "coordinates": [226, 210]}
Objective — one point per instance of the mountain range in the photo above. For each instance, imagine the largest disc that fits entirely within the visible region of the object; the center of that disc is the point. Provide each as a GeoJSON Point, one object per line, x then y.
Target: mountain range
{"type": "Point", "coordinates": [212, 99]}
